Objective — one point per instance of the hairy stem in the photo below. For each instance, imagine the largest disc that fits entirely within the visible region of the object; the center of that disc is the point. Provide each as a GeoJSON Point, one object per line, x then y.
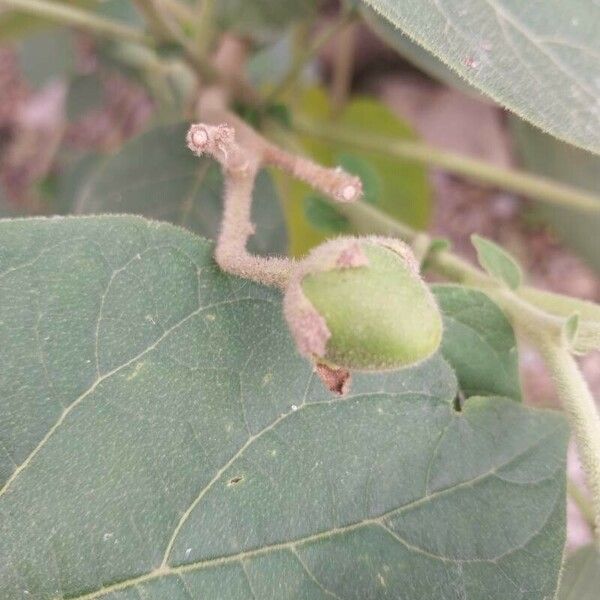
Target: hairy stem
{"type": "Point", "coordinates": [531, 186]}
{"type": "Point", "coordinates": [76, 17]}
{"type": "Point", "coordinates": [241, 151]}
{"type": "Point", "coordinates": [582, 413]}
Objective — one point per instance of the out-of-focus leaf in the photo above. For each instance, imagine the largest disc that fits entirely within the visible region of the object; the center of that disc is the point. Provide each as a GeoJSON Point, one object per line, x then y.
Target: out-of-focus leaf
{"type": "Point", "coordinates": [85, 92]}
{"type": "Point", "coordinates": [498, 262]}
{"type": "Point", "coordinates": [323, 216]}
{"type": "Point", "coordinates": [71, 182]}
{"type": "Point", "coordinates": [538, 58]}
{"type": "Point", "coordinates": [8, 209]}
{"type": "Point", "coordinates": [548, 156]}
{"type": "Point", "coordinates": [119, 10]}
{"type": "Point", "coordinates": [588, 330]}
{"type": "Point", "coordinates": [156, 176]}
{"type": "Point", "coordinates": [581, 575]}
{"type": "Point", "coordinates": [47, 55]}
{"type": "Point", "coordinates": [398, 188]}
{"type": "Point", "coordinates": [262, 19]}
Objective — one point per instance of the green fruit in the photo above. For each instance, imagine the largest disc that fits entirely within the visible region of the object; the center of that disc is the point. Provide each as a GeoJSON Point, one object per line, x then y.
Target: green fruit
{"type": "Point", "coordinates": [380, 315]}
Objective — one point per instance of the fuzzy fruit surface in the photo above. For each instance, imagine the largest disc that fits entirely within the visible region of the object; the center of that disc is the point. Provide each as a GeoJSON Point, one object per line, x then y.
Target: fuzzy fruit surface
{"type": "Point", "coordinates": [381, 316]}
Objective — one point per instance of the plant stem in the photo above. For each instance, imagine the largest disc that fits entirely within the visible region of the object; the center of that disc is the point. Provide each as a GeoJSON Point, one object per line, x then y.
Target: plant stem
{"type": "Point", "coordinates": [76, 17]}
{"type": "Point", "coordinates": [302, 59]}
{"type": "Point", "coordinates": [180, 10]}
{"type": "Point", "coordinates": [342, 68]}
{"type": "Point", "coordinates": [154, 19]}
{"type": "Point", "coordinates": [532, 186]}
{"type": "Point", "coordinates": [582, 501]}
{"type": "Point", "coordinates": [581, 411]}
{"type": "Point", "coordinates": [205, 31]}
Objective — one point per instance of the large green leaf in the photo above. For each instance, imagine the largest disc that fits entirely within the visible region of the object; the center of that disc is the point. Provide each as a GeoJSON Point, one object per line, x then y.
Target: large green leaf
{"type": "Point", "coordinates": [161, 438]}
{"type": "Point", "coordinates": [411, 51]}
{"type": "Point", "coordinates": [479, 343]}
{"type": "Point", "coordinates": [547, 156]}
{"type": "Point", "coordinates": [537, 58]}
{"type": "Point", "coordinates": [47, 55]}
{"type": "Point", "coordinates": [156, 176]}
{"type": "Point", "coordinates": [581, 576]}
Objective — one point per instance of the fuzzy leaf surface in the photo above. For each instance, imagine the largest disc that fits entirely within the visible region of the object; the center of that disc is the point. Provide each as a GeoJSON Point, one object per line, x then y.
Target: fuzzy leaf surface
{"type": "Point", "coordinates": [538, 58]}
{"type": "Point", "coordinates": [161, 438]}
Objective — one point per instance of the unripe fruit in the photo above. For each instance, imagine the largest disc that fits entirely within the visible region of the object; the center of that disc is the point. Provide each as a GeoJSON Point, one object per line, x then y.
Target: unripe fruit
{"type": "Point", "coordinates": [359, 303]}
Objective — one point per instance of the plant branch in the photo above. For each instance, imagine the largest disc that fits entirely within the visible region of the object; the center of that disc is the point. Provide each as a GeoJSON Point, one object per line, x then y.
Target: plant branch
{"type": "Point", "coordinates": [581, 411]}
{"type": "Point", "coordinates": [166, 30]}
{"type": "Point", "coordinates": [582, 502]}
{"type": "Point", "coordinates": [76, 17]}
{"type": "Point", "coordinates": [241, 151]}
{"type": "Point", "coordinates": [532, 186]}
{"type": "Point", "coordinates": [302, 59]}
{"type": "Point", "coordinates": [180, 10]}
{"type": "Point", "coordinates": [204, 31]}
{"type": "Point", "coordinates": [342, 68]}
{"type": "Point", "coordinates": [155, 20]}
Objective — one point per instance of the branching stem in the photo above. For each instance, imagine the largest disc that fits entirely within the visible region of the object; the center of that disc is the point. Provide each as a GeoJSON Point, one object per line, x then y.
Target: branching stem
{"type": "Point", "coordinates": [242, 152]}
{"type": "Point", "coordinates": [582, 413]}
{"type": "Point", "coordinates": [531, 186]}
{"type": "Point", "coordinates": [77, 17]}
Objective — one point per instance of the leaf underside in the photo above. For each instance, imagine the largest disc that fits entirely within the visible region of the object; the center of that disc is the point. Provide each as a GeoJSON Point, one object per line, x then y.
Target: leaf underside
{"type": "Point", "coordinates": [161, 438]}
{"type": "Point", "coordinates": [538, 58]}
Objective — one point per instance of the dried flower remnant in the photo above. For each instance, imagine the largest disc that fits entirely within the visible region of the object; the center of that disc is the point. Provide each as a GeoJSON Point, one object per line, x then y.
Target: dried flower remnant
{"type": "Point", "coordinates": [352, 303]}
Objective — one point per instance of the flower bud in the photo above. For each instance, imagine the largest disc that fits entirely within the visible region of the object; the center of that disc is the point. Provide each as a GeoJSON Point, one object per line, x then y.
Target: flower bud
{"type": "Point", "coordinates": [359, 303]}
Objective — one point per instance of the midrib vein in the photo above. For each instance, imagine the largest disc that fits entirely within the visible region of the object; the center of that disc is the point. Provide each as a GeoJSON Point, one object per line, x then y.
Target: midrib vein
{"type": "Point", "coordinates": [67, 411]}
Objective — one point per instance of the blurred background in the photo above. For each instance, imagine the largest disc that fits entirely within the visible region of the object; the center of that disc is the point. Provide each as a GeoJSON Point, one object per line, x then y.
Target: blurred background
{"type": "Point", "coordinates": [90, 125]}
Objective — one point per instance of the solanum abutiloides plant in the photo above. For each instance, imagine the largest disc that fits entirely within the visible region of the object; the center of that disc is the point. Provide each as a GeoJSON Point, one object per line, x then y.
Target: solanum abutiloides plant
{"type": "Point", "coordinates": [353, 304]}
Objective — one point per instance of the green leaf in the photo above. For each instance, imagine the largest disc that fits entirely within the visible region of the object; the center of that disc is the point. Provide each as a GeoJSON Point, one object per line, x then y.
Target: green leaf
{"type": "Point", "coordinates": [7, 207]}
{"type": "Point", "coordinates": [47, 55]}
{"type": "Point", "coordinates": [412, 52]}
{"type": "Point", "coordinates": [479, 343]}
{"type": "Point", "coordinates": [498, 262]}
{"type": "Point", "coordinates": [588, 332]}
{"type": "Point", "coordinates": [156, 176]}
{"type": "Point", "coordinates": [72, 180]}
{"type": "Point", "coordinates": [323, 216]}
{"type": "Point", "coordinates": [154, 412]}
{"type": "Point", "coordinates": [571, 328]}
{"type": "Point", "coordinates": [581, 575]}
{"type": "Point", "coordinates": [539, 59]}
{"type": "Point", "coordinates": [85, 93]}
{"type": "Point", "coordinates": [398, 188]}
{"type": "Point", "coordinates": [547, 156]}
